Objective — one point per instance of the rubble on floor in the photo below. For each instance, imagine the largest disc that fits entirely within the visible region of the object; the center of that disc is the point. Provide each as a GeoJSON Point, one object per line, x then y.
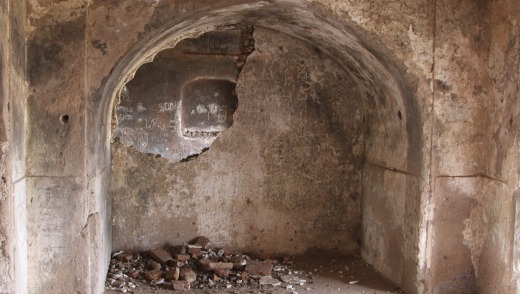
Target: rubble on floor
{"type": "Point", "coordinates": [199, 265]}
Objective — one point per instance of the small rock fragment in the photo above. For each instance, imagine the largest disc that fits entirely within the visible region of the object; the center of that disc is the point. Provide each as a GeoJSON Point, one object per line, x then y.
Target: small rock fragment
{"type": "Point", "coordinates": [126, 257]}
{"type": "Point", "coordinates": [153, 275]}
{"type": "Point", "coordinates": [244, 276]}
{"type": "Point", "coordinates": [268, 280]}
{"type": "Point", "coordinates": [180, 285]}
{"type": "Point", "coordinates": [172, 274]}
{"type": "Point", "coordinates": [133, 274]}
{"type": "Point", "coordinates": [290, 279]}
{"type": "Point", "coordinates": [187, 274]}
{"type": "Point", "coordinates": [353, 282]}
{"type": "Point", "coordinates": [262, 268]}
{"type": "Point", "coordinates": [157, 281]}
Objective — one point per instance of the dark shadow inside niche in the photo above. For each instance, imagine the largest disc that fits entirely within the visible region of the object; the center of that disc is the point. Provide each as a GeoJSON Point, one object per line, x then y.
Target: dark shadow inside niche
{"type": "Point", "coordinates": [177, 105]}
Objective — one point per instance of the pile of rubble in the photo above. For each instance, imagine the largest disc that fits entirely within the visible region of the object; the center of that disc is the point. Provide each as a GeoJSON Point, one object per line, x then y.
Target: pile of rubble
{"type": "Point", "coordinates": [199, 265]}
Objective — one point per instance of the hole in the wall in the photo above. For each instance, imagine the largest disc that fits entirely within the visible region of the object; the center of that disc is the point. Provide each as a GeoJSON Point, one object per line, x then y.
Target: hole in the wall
{"type": "Point", "coordinates": [400, 115]}
{"type": "Point", "coordinates": [177, 105]}
{"type": "Point", "coordinates": [64, 119]}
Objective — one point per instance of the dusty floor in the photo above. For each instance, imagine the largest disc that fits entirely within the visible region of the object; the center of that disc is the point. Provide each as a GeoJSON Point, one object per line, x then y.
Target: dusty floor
{"type": "Point", "coordinates": [326, 273]}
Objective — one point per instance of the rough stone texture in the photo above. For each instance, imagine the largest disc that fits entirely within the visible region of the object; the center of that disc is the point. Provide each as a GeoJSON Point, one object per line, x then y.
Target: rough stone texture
{"type": "Point", "coordinates": [476, 110]}
{"type": "Point", "coordinates": [436, 82]}
{"type": "Point", "coordinates": [5, 200]}
{"type": "Point", "coordinates": [289, 165]}
{"type": "Point", "coordinates": [11, 86]}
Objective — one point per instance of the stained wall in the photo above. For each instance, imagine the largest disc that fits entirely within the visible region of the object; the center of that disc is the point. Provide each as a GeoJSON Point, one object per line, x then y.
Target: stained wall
{"type": "Point", "coordinates": [438, 209]}
{"type": "Point", "coordinates": [284, 178]}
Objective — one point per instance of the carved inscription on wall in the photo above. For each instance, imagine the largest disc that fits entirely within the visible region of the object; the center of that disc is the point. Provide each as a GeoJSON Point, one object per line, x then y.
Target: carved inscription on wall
{"type": "Point", "coordinates": [177, 105]}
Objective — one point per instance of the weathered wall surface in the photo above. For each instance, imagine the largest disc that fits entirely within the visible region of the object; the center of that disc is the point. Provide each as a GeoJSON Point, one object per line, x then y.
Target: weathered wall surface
{"type": "Point", "coordinates": [392, 121]}
{"type": "Point", "coordinates": [51, 187]}
{"type": "Point", "coordinates": [6, 239]}
{"type": "Point", "coordinates": [476, 110]}
{"type": "Point", "coordinates": [12, 85]}
{"type": "Point", "coordinates": [284, 178]}
{"type": "Point", "coordinates": [447, 223]}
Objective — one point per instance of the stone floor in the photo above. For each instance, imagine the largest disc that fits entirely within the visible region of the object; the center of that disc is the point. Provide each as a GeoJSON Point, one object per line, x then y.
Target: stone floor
{"type": "Point", "coordinates": [330, 274]}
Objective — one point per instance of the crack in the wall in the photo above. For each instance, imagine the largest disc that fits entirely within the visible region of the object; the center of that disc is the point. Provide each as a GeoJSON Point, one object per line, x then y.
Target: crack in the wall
{"type": "Point", "coordinates": [392, 169]}
{"type": "Point", "coordinates": [478, 175]}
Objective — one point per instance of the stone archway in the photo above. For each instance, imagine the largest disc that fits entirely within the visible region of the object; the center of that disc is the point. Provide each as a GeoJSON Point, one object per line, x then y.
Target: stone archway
{"type": "Point", "coordinates": [393, 149]}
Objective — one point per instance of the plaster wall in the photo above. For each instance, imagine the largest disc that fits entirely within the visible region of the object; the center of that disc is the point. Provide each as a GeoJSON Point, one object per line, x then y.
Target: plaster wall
{"type": "Point", "coordinates": [451, 158]}
{"type": "Point", "coordinates": [284, 178]}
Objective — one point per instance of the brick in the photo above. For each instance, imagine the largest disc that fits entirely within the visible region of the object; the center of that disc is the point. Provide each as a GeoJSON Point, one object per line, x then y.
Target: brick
{"type": "Point", "coordinates": [204, 264]}
{"type": "Point", "coordinates": [195, 251]}
{"type": "Point", "coordinates": [182, 257]}
{"type": "Point", "coordinates": [203, 242]}
{"type": "Point", "coordinates": [160, 255]}
{"type": "Point", "coordinates": [172, 275]}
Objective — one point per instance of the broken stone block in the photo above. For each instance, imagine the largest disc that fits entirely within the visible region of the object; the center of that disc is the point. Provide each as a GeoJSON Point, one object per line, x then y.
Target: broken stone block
{"type": "Point", "coordinates": [160, 255]}
{"type": "Point", "coordinates": [182, 257]}
{"type": "Point", "coordinates": [195, 251]}
{"type": "Point", "coordinates": [262, 268]}
{"type": "Point", "coordinates": [187, 274]}
{"type": "Point", "coordinates": [180, 285]}
{"type": "Point", "coordinates": [204, 264]}
{"type": "Point", "coordinates": [203, 242]}
{"type": "Point", "coordinates": [221, 265]}
{"type": "Point", "coordinates": [268, 280]}
{"type": "Point", "coordinates": [172, 275]}
{"type": "Point", "coordinates": [153, 275]}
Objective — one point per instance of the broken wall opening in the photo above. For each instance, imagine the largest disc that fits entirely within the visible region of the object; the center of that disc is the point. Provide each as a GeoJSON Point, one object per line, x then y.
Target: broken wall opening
{"type": "Point", "coordinates": [285, 178]}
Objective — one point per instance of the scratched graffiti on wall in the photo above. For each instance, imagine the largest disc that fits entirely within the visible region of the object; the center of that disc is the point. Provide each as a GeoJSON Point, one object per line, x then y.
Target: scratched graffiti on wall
{"type": "Point", "coordinates": [176, 106]}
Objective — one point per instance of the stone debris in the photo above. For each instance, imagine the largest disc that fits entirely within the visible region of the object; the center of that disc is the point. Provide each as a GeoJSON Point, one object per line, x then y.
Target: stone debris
{"type": "Point", "coordinates": [292, 279]}
{"type": "Point", "coordinates": [256, 267]}
{"type": "Point", "coordinates": [268, 280]}
{"type": "Point", "coordinates": [199, 266]}
{"type": "Point", "coordinates": [160, 255]}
